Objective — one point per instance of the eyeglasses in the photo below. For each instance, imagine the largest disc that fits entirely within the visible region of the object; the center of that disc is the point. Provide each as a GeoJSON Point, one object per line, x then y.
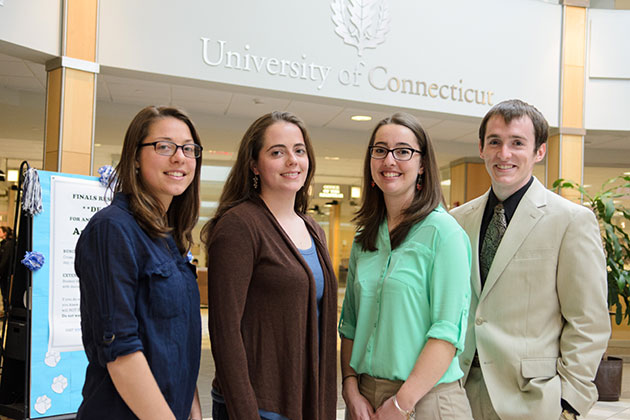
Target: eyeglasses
{"type": "Point", "coordinates": [168, 148]}
{"type": "Point", "coordinates": [399, 153]}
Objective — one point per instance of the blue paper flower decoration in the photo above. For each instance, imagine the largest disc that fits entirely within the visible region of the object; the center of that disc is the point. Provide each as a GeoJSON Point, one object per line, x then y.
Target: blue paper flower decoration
{"type": "Point", "coordinates": [106, 172]}
{"type": "Point", "coordinates": [33, 260]}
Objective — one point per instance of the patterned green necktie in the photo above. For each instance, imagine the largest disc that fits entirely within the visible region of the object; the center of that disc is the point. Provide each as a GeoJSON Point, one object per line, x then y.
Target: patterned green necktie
{"type": "Point", "coordinates": [494, 233]}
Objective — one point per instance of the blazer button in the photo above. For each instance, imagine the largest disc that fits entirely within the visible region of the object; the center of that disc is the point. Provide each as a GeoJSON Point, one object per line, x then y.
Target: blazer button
{"type": "Point", "coordinates": [479, 321]}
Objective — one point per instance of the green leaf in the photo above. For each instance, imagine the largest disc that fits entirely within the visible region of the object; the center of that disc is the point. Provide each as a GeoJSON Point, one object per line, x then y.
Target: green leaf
{"type": "Point", "coordinates": [610, 209]}
{"type": "Point", "coordinates": [557, 182]}
{"type": "Point", "coordinates": [615, 241]}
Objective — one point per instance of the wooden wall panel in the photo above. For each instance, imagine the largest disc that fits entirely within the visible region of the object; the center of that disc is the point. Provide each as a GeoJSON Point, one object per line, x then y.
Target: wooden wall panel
{"type": "Point", "coordinates": [78, 111]}
{"type": "Point", "coordinates": [478, 181]}
{"type": "Point", "coordinates": [81, 21]}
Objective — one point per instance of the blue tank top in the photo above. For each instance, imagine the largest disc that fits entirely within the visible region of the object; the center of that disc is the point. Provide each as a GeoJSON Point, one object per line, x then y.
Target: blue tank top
{"type": "Point", "coordinates": [312, 259]}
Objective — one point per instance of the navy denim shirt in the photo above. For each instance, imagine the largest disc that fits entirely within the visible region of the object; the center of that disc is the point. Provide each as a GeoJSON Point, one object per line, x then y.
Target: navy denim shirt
{"type": "Point", "coordinates": [138, 293]}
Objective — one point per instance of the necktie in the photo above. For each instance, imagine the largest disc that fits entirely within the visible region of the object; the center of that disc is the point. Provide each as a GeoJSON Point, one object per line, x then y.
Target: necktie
{"type": "Point", "coordinates": [494, 233]}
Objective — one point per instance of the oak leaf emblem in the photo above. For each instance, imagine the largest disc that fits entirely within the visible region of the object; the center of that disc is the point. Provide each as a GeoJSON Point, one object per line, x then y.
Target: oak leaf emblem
{"type": "Point", "coordinates": [361, 23]}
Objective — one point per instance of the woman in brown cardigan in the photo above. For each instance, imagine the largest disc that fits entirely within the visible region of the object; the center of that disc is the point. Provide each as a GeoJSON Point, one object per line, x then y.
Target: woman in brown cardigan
{"type": "Point", "coordinates": [272, 304]}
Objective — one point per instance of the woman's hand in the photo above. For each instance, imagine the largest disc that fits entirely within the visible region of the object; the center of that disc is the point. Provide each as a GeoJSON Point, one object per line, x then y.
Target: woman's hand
{"type": "Point", "coordinates": [356, 404]}
{"type": "Point", "coordinates": [136, 385]}
{"type": "Point", "coordinates": [195, 411]}
{"type": "Point", "coordinates": [388, 411]}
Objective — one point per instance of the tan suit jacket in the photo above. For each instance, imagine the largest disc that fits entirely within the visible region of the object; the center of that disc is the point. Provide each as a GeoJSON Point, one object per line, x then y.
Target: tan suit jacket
{"type": "Point", "coordinates": [540, 324]}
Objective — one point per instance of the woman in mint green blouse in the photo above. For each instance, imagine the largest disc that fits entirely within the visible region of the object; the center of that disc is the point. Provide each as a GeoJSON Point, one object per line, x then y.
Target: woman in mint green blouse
{"type": "Point", "coordinates": [408, 290]}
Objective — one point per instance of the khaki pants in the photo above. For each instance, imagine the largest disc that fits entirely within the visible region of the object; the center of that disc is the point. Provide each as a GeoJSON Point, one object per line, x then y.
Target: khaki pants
{"type": "Point", "coordinates": [478, 396]}
{"type": "Point", "coordinates": [443, 402]}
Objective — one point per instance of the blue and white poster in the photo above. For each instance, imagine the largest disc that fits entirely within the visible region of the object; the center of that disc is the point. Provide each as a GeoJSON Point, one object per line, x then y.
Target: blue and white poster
{"type": "Point", "coordinates": [58, 361]}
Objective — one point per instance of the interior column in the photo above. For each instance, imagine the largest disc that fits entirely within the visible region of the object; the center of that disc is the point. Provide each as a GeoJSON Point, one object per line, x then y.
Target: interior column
{"type": "Point", "coordinates": [333, 235]}
{"type": "Point", "coordinates": [565, 150]}
{"type": "Point", "coordinates": [71, 92]}
{"type": "Point", "coordinates": [469, 179]}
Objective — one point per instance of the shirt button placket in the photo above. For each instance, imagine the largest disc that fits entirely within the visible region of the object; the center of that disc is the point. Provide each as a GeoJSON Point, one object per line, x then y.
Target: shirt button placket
{"type": "Point", "coordinates": [378, 300]}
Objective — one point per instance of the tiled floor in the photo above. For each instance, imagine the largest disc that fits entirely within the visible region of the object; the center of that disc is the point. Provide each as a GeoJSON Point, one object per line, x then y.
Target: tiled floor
{"type": "Point", "coordinates": [619, 410]}
{"type": "Point", "coordinates": [610, 410]}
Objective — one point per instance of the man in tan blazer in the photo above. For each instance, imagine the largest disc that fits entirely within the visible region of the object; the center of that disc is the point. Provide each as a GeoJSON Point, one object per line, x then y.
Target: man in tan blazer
{"type": "Point", "coordinates": [538, 323]}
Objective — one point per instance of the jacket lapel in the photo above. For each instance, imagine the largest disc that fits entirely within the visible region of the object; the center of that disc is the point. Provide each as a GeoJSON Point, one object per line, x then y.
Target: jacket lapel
{"type": "Point", "coordinates": [526, 216]}
{"type": "Point", "coordinates": [472, 224]}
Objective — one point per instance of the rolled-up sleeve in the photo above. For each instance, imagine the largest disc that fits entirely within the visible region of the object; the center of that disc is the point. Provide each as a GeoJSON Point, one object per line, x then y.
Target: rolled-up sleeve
{"type": "Point", "coordinates": [105, 262]}
{"type": "Point", "coordinates": [450, 289]}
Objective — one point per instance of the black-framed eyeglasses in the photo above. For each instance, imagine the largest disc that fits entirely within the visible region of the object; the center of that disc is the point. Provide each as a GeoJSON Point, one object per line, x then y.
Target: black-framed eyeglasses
{"type": "Point", "coordinates": [168, 148]}
{"type": "Point", "coordinates": [399, 153]}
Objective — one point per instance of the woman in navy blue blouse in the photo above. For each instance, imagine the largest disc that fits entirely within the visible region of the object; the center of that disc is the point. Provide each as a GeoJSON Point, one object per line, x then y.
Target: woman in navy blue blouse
{"type": "Point", "coordinates": [139, 298]}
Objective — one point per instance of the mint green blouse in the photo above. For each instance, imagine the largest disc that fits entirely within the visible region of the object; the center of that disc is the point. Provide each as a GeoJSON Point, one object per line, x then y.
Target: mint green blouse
{"type": "Point", "coordinates": [396, 300]}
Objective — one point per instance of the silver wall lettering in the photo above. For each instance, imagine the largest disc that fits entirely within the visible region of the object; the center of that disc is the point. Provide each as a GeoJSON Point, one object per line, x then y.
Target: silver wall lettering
{"type": "Point", "coordinates": [204, 54]}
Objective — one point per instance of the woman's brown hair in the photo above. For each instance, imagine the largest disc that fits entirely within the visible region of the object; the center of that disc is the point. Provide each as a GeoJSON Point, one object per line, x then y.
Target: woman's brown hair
{"type": "Point", "coordinates": [373, 210]}
{"type": "Point", "coordinates": [239, 186]}
{"type": "Point", "coordinates": [183, 213]}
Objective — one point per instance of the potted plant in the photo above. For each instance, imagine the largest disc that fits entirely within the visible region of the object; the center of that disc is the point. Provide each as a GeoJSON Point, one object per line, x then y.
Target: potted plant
{"type": "Point", "coordinates": [611, 214]}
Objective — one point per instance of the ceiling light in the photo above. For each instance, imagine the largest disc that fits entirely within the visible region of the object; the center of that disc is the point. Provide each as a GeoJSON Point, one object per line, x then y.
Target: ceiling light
{"type": "Point", "coordinates": [97, 145]}
{"type": "Point", "coordinates": [331, 157]}
{"type": "Point", "coordinates": [361, 118]}
{"type": "Point", "coordinates": [446, 183]}
{"type": "Point", "coordinates": [214, 173]}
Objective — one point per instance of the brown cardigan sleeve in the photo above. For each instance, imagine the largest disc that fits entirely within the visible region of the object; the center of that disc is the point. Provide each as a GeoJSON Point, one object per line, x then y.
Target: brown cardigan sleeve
{"type": "Point", "coordinates": [231, 256]}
